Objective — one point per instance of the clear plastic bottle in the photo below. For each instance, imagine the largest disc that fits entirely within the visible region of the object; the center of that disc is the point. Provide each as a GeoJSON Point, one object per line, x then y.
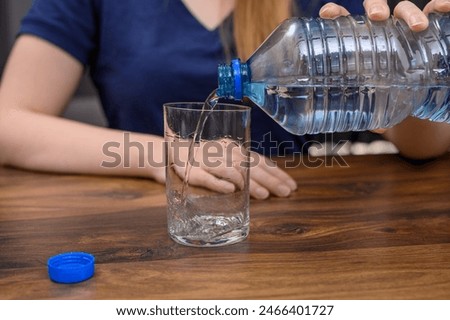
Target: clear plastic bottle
{"type": "Point", "coordinates": [346, 74]}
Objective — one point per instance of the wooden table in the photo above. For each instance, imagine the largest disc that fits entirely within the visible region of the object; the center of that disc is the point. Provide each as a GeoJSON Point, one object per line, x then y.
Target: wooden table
{"type": "Point", "coordinates": [377, 229]}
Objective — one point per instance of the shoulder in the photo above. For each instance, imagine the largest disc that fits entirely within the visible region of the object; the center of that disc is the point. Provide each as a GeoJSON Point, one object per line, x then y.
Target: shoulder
{"type": "Point", "coordinates": [69, 24]}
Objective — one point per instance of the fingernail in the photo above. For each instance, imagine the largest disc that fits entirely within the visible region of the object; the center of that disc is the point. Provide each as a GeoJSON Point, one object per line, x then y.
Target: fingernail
{"type": "Point", "coordinates": [292, 185]}
{"type": "Point", "coordinates": [228, 187]}
{"type": "Point", "coordinates": [283, 191]}
{"type": "Point", "coordinates": [415, 21]}
{"type": "Point", "coordinates": [324, 10]}
{"type": "Point", "coordinates": [261, 193]}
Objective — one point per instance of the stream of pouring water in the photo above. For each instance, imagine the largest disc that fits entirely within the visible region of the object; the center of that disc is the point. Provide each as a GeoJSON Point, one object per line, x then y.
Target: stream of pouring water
{"type": "Point", "coordinates": [208, 106]}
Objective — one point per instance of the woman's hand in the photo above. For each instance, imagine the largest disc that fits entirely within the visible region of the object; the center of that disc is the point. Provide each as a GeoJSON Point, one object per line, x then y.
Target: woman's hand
{"type": "Point", "coordinates": [266, 177]}
{"type": "Point", "coordinates": [378, 10]}
{"type": "Point", "coordinates": [417, 139]}
{"type": "Point", "coordinates": [223, 166]}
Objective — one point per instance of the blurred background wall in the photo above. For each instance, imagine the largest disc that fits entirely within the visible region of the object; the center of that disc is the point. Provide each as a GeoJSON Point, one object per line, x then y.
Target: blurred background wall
{"type": "Point", "coordinates": [11, 12]}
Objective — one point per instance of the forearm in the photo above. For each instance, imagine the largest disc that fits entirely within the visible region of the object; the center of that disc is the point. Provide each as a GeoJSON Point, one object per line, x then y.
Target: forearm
{"type": "Point", "coordinates": [38, 81]}
{"type": "Point", "coordinates": [420, 139]}
{"type": "Point", "coordinates": [37, 141]}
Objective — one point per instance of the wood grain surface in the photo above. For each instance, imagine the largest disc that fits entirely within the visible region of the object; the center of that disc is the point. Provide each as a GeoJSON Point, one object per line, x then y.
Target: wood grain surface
{"type": "Point", "coordinates": [376, 228]}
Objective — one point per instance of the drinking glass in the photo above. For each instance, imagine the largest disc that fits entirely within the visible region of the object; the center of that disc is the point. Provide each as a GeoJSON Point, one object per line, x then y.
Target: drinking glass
{"type": "Point", "coordinates": [207, 173]}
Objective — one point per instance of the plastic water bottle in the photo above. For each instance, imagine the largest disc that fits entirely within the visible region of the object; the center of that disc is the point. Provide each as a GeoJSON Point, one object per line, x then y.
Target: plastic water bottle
{"type": "Point", "coordinates": [346, 74]}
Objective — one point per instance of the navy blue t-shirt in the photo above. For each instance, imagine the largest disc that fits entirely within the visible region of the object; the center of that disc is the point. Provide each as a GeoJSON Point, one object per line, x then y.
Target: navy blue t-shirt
{"type": "Point", "coordinates": [144, 53]}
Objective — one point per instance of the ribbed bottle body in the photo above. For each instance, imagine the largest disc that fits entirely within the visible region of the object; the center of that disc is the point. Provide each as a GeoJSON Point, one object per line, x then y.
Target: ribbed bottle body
{"type": "Point", "coordinates": [351, 74]}
{"type": "Point", "coordinates": [332, 108]}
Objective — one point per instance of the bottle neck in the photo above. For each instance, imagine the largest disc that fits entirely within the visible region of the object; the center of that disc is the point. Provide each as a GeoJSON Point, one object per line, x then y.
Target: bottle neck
{"type": "Point", "coordinates": [232, 78]}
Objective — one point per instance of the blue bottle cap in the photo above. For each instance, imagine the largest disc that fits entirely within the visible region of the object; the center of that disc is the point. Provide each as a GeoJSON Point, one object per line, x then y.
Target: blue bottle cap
{"type": "Point", "coordinates": [236, 65]}
{"type": "Point", "coordinates": [71, 267]}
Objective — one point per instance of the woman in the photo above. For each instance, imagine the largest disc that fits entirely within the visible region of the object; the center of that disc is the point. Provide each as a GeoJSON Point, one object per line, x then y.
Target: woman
{"type": "Point", "coordinates": [142, 54]}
